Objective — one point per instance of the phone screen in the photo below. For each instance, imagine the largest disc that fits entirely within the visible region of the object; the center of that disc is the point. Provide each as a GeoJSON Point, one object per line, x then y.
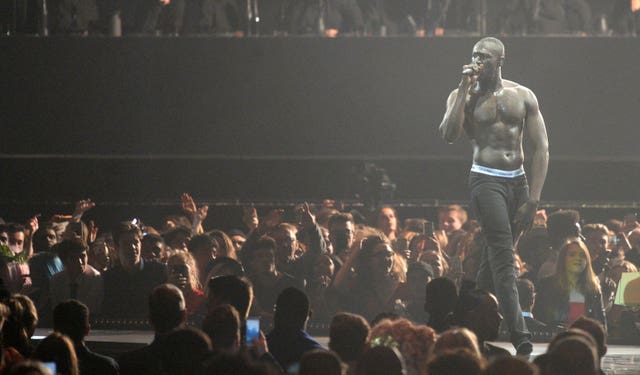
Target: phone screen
{"type": "Point", "coordinates": [429, 231]}
{"type": "Point", "coordinates": [253, 330]}
{"type": "Point", "coordinates": [51, 366]}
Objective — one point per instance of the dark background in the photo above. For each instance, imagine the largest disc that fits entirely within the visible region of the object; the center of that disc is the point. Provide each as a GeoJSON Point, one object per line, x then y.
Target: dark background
{"type": "Point", "coordinates": [139, 120]}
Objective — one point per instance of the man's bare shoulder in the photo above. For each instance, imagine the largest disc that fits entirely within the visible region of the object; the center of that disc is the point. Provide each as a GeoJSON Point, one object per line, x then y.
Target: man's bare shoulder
{"type": "Point", "coordinates": [516, 86]}
{"type": "Point", "coordinates": [522, 91]}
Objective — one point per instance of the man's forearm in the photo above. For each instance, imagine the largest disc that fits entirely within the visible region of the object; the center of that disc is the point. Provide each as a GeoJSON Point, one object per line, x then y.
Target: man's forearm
{"type": "Point", "coordinates": [539, 166]}
{"type": "Point", "coordinates": [452, 124]}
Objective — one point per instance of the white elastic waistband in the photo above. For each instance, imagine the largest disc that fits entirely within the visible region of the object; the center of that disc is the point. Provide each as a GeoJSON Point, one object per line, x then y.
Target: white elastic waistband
{"type": "Point", "coordinates": [497, 172]}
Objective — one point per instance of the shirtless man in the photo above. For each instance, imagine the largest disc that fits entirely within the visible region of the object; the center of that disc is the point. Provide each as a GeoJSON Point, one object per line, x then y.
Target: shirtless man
{"type": "Point", "coordinates": [494, 113]}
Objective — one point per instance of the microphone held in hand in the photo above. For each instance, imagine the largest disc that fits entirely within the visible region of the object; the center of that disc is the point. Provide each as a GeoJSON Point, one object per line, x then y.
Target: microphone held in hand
{"type": "Point", "coordinates": [469, 71]}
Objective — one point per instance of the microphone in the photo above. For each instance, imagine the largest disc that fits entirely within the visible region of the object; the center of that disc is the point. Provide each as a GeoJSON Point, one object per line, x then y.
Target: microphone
{"type": "Point", "coordinates": [469, 72]}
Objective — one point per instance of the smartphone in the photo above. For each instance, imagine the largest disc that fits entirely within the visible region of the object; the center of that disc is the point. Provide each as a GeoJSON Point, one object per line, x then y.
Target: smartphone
{"type": "Point", "coordinates": [253, 330]}
{"type": "Point", "coordinates": [428, 229]}
{"type": "Point", "coordinates": [402, 244]}
{"type": "Point", "coordinates": [51, 366]}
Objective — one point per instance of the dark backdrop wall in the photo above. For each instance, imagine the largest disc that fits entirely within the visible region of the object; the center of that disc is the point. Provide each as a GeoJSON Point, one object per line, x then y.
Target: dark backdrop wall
{"type": "Point", "coordinates": [290, 118]}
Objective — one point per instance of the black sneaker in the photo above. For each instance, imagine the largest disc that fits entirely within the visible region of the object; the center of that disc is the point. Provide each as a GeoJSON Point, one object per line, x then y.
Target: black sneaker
{"type": "Point", "coordinates": [524, 348]}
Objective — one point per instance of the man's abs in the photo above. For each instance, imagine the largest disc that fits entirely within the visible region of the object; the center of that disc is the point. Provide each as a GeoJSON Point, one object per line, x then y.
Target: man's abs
{"type": "Point", "coordinates": [503, 159]}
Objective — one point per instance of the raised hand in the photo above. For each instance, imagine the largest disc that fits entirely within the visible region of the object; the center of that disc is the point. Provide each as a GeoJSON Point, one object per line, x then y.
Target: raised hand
{"type": "Point", "coordinates": [188, 204]}
{"type": "Point", "coordinates": [33, 225]}
{"type": "Point", "coordinates": [304, 215]}
{"type": "Point", "coordinates": [82, 206]}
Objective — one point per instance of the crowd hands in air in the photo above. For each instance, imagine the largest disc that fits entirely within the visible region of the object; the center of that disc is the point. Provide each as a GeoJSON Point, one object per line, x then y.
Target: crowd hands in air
{"type": "Point", "coordinates": [328, 18]}
{"type": "Point", "coordinates": [396, 300]}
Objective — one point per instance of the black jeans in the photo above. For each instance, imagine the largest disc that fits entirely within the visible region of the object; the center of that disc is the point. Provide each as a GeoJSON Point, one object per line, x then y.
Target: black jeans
{"type": "Point", "coordinates": [495, 201]}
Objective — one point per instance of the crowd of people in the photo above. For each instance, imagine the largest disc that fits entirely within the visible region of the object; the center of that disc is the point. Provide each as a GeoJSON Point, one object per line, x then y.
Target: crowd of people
{"type": "Point", "coordinates": [319, 17]}
{"type": "Point", "coordinates": [397, 299]}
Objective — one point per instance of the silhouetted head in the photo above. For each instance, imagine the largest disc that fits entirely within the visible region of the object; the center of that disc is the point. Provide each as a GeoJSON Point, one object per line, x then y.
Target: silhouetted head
{"type": "Point", "coordinates": [381, 360]}
{"type": "Point", "coordinates": [348, 335]}
{"type": "Point", "coordinates": [233, 290]}
{"type": "Point", "coordinates": [71, 318]}
{"type": "Point", "coordinates": [292, 309]}
{"type": "Point", "coordinates": [167, 308]}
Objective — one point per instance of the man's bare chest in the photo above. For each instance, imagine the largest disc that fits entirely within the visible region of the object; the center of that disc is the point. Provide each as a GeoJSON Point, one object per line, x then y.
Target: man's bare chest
{"type": "Point", "coordinates": [503, 107]}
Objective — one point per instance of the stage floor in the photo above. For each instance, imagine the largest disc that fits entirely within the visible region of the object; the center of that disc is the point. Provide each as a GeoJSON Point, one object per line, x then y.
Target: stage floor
{"type": "Point", "coordinates": [620, 359]}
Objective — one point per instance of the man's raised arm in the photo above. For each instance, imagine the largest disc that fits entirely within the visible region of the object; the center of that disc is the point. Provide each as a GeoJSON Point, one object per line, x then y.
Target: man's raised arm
{"type": "Point", "coordinates": [453, 121]}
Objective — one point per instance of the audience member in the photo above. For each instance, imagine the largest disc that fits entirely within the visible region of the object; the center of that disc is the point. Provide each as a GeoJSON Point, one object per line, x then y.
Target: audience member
{"type": "Point", "coordinates": [478, 311]}
{"type": "Point", "coordinates": [342, 236]}
{"type": "Point", "coordinates": [419, 274]}
{"type": "Point", "coordinates": [184, 350]}
{"type": "Point", "coordinates": [348, 335]}
{"type": "Point", "coordinates": [58, 348]}
{"type": "Point", "coordinates": [413, 341]}
{"type": "Point", "coordinates": [527, 296]}
{"type": "Point", "coordinates": [224, 267]}
{"type": "Point", "coordinates": [267, 280]}
{"type": "Point", "coordinates": [456, 338]}
{"type": "Point", "coordinates": [386, 220]}
{"type": "Point", "coordinates": [224, 363]}
{"type": "Point", "coordinates": [153, 247]}
{"type": "Point", "coordinates": [99, 256]}
{"type": "Point", "coordinates": [183, 273]}
{"type": "Point", "coordinates": [372, 288]}
{"type": "Point", "coordinates": [222, 325]}
{"type": "Point", "coordinates": [227, 249]}
{"type": "Point", "coordinates": [289, 340]}
{"type": "Point", "coordinates": [20, 324]}
{"type": "Point", "coordinates": [204, 249]}
{"type": "Point", "coordinates": [534, 249]}
{"type": "Point", "coordinates": [381, 360]}
{"type": "Point", "coordinates": [14, 269]}
{"type": "Point", "coordinates": [596, 238]}
{"type": "Point", "coordinates": [561, 225]}
{"type": "Point", "coordinates": [440, 301]}
{"type": "Point", "coordinates": [451, 218]}
{"type": "Point", "coordinates": [127, 285]}
{"type": "Point", "coordinates": [597, 332]}
{"type": "Point", "coordinates": [77, 280]}
{"type": "Point", "coordinates": [633, 254]}
{"type": "Point", "coordinates": [44, 238]}
{"type": "Point", "coordinates": [42, 266]}
{"type": "Point", "coordinates": [510, 366]}
{"type": "Point", "coordinates": [71, 318]}
{"type": "Point", "coordinates": [319, 286]}
{"type": "Point", "coordinates": [455, 362]}
{"type": "Point", "coordinates": [320, 362]}
{"type": "Point", "coordinates": [572, 355]}
{"type": "Point", "coordinates": [178, 238]}
{"type": "Point", "coordinates": [231, 290]}
{"type": "Point", "coordinates": [238, 238]}
{"type": "Point", "coordinates": [572, 291]}
{"type": "Point", "coordinates": [167, 311]}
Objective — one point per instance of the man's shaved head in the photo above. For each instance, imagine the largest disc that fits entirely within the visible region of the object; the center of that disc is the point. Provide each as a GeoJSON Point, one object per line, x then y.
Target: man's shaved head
{"type": "Point", "coordinates": [493, 44]}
